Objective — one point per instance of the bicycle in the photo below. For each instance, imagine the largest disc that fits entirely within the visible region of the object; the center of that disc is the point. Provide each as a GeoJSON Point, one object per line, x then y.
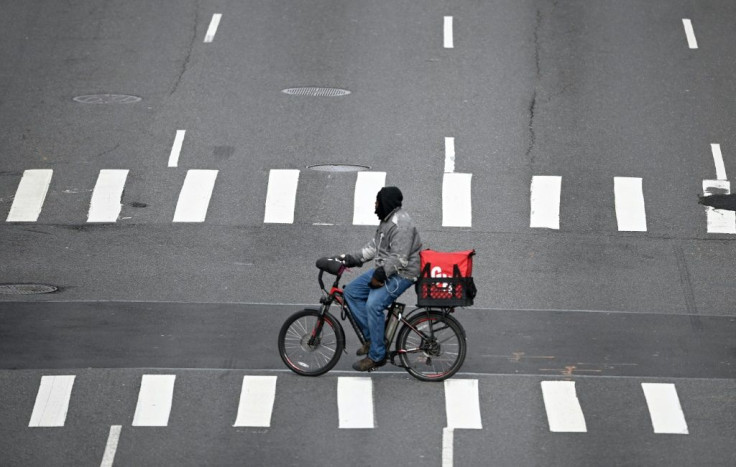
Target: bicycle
{"type": "Point", "coordinates": [430, 344]}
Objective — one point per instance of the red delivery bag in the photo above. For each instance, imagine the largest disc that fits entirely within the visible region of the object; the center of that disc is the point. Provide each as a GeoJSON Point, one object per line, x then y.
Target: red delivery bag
{"type": "Point", "coordinates": [446, 279]}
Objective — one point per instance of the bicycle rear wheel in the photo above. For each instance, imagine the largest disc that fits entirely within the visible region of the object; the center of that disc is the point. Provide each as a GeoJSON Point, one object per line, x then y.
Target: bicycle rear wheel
{"type": "Point", "coordinates": [432, 346]}
{"type": "Point", "coordinates": [311, 345]}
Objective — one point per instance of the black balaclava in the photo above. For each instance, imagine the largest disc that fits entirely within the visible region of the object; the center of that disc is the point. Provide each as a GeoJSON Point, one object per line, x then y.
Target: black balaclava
{"type": "Point", "coordinates": [389, 198]}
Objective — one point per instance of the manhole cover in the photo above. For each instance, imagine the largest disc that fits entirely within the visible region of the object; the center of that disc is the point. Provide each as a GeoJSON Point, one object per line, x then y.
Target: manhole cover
{"type": "Point", "coordinates": [26, 289]}
{"type": "Point", "coordinates": [107, 99]}
{"type": "Point", "coordinates": [316, 92]}
{"type": "Point", "coordinates": [338, 167]}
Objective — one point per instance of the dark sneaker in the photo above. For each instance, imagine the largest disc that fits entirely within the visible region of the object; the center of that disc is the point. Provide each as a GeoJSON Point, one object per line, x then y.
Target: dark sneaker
{"type": "Point", "coordinates": [367, 364]}
{"type": "Point", "coordinates": [364, 349]}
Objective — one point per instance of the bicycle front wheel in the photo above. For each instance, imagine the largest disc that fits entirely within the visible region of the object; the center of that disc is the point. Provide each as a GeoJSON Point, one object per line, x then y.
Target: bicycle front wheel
{"type": "Point", "coordinates": [431, 346]}
{"type": "Point", "coordinates": [310, 344]}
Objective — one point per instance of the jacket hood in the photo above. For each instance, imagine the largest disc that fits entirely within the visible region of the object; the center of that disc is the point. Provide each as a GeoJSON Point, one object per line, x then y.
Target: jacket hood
{"type": "Point", "coordinates": [388, 199]}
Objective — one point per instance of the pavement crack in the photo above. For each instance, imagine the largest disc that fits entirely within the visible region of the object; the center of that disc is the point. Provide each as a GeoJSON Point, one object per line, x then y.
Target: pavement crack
{"type": "Point", "coordinates": [533, 104]}
{"type": "Point", "coordinates": [190, 48]}
{"type": "Point", "coordinates": [687, 288]}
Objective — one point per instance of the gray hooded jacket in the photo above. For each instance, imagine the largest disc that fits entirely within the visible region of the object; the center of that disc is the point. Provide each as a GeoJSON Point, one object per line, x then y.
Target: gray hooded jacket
{"type": "Point", "coordinates": [395, 246]}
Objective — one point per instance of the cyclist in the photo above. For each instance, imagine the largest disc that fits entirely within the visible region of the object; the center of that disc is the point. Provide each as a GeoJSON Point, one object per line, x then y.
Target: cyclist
{"type": "Point", "coordinates": [395, 249]}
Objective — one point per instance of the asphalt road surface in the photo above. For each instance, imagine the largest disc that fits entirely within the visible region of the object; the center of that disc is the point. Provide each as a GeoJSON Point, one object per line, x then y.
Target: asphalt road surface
{"type": "Point", "coordinates": [568, 142]}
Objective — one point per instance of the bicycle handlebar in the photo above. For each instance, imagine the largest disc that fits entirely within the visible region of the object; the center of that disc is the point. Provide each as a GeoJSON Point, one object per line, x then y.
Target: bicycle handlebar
{"type": "Point", "coordinates": [333, 266]}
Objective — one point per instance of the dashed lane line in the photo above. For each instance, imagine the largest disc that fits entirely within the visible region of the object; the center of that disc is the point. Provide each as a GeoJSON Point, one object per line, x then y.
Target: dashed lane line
{"type": "Point", "coordinates": [447, 36]}
{"type": "Point", "coordinates": [176, 148]}
{"type": "Point", "coordinates": [111, 446]}
{"type": "Point", "coordinates": [690, 33]}
{"type": "Point", "coordinates": [718, 161]}
{"type": "Point", "coordinates": [212, 29]}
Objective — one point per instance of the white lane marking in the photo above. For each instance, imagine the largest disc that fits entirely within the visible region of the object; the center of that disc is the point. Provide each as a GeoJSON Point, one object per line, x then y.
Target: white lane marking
{"type": "Point", "coordinates": [630, 210]}
{"type": "Point", "coordinates": [449, 155]}
{"type": "Point", "coordinates": [545, 202]}
{"type": "Point", "coordinates": [367, 187]}
{"type": "Point", "coordinates": [212, 29]}
{"type": "Point", "coordinates": [176, 148]}
{"type": "Point", "coordinates": [462, 404]}
{"type": "Point", "coordinates": [719, 220]}
{"type": "Point", "coordinates": [718, 161]}
{"type": "Point", "coordinates": [30, 195]}
{"type": "Point", "coordinates": [281, 196]}
{"type": "Point", "coordinates": [107, 196]}
{"type": "Point", "coordinates": [355, 402]}
{"type": "Point", "coordinates": [52, 401]}
{"type": "Point", "coordinates": [256, 401]}
{"type": "Point", "coordinates": [564, 413]}
{"type": "Point", "coordinates": [664, 408]}
{"type": "Point", "coordinates": [194, 198]}
{"type": "Point", "coordinates": [447, 33]}
{"type": "Point", "coordinates": [111, 447]}
{"type": "Point", "coordinates": [457, 209]}
{"type": "Point", "coordinates": [690, 33]}
{"type": "Point", "coordinates": [154, 400]}
{"type": "Point", "coordinates": [448, 441]}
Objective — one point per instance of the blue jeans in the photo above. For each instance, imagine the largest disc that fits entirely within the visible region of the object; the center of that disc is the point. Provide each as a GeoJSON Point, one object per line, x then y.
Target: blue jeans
{"type": "Point", "coordinates": [368, 304]}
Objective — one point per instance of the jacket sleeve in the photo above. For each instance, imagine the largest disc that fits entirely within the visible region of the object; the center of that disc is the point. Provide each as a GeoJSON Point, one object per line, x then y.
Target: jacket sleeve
{"type": "Point", "coordinates": [400, 241]}
{"type": "Point", "coordinates": [367, 253]}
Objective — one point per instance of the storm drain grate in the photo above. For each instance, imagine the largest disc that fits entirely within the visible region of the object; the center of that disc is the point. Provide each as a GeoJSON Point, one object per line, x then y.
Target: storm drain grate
{"type": "Point", "coordinates": [26, 289]}
{"type": "Point", "coordinates": [338, 167]}
{"type": "Point", "coordinates": [316, 92]}
{"type": "Point", "coordinates": [107, 99]}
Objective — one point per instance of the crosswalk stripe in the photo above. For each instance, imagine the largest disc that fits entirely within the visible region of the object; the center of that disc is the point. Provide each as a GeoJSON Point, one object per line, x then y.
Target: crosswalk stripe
{"type": "Point", "coordinates": [30, 195]}
{"type": "Point", "coordinates": [355, 402]}
{"type": "Point", "coordinates": [664, 408]}
{"type": "Point", "coordinates": [462, 404]}
{"type": "Point", "coordinates": [256, 401]}
{"type": "Point", "coordinates": [719, 220]}
{"type": "Point", "coordinates": [52, 401]}
{"type": "Point", "coordinates": [194, 198]}
{"type": "Point", "coordinates": [366, 187]}
{"type": "Point", "coordinates": [281, 196]}
{"type": "Point", "coordinates": [106, 202]}
{"type": "Point", "coordinates": [457, 210]}
{"type": "Point", "coordinates": [545, 202]}
{"type": "Point", "coordinates": [564, 413]}
{"type": "Point", "coordinates": [630, 210]}
{"type": "Point", "coordinates": [154, 400]}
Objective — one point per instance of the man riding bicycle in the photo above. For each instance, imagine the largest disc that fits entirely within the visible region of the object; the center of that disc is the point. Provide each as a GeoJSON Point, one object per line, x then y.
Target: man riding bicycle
{"type": "Point", "coordinates": [395, 249]}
